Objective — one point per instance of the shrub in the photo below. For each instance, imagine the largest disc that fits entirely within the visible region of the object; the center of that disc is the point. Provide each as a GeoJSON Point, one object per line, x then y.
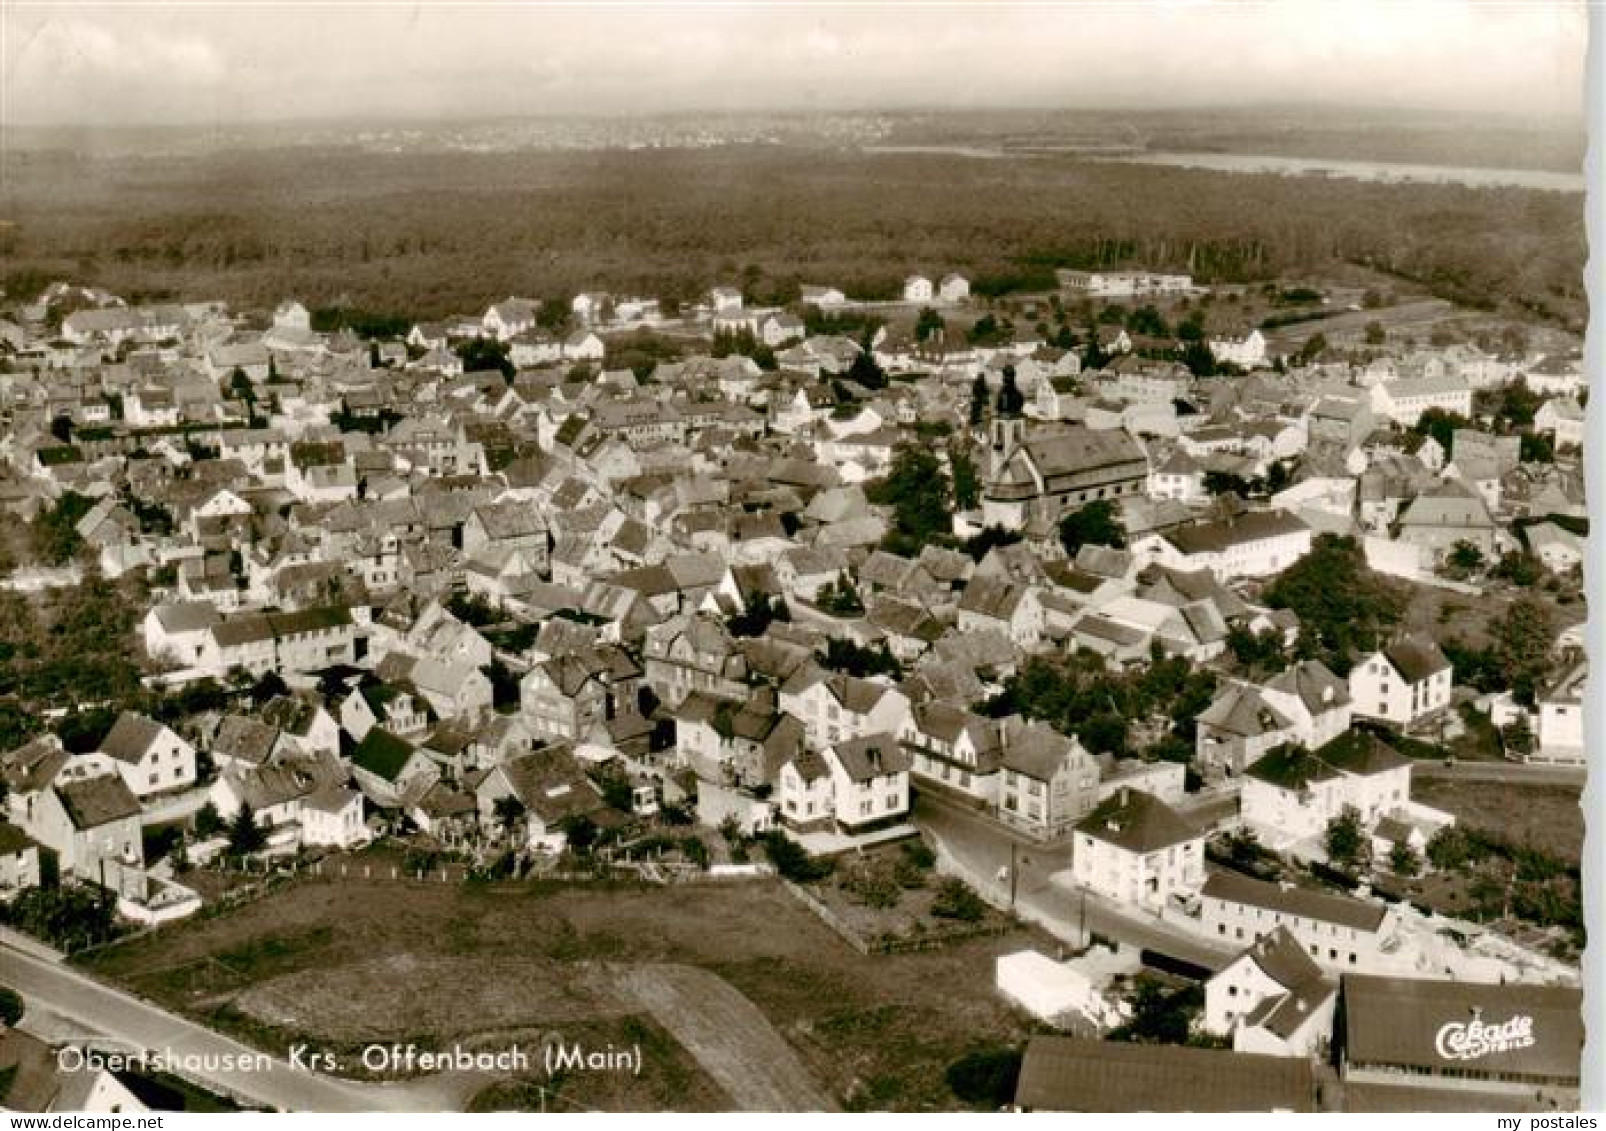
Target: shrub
{"type": "Point", "coordinates": [791, 861]}
{"type": "Point", "coordinates": [11, 1006]}
{"type": "Point", "coordinates": [956, 901]}
{"type": "Point", "coordinates": [871, 886]}
{"type": "Point", "coordinates": [985, 1077]}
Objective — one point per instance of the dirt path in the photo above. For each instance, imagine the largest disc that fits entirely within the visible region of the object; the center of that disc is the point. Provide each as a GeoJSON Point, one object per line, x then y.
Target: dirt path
{"type": "Point", "coordinates": [732, 1041]}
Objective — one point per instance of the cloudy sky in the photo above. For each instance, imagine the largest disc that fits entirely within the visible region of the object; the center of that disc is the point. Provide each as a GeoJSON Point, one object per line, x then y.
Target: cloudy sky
{"type": "Point", "coordinates": [122, 63]}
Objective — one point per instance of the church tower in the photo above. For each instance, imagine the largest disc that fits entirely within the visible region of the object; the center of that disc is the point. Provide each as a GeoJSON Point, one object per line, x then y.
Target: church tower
{"type": "Point", "coordinates": [1009, 425]}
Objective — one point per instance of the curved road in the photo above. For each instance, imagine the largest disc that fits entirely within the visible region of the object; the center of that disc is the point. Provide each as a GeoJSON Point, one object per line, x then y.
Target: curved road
{"type": "Point", "coordinates": [107, 1013]}
{"type": "Point", "coordinates": [979, 849]}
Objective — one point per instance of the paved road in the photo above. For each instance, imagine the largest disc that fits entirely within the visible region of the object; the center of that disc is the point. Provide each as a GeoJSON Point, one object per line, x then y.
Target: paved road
{"type": "Point", "coordinates": [978, 848]}
{"type": "Point", "coordinates": [1518, 772]}
{"type": "Point", "coordinates": [128, 1022]}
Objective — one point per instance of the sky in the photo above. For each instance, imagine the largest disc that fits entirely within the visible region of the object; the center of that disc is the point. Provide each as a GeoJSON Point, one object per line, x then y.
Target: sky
{"type": "Point", "coordinates": [112, 64]}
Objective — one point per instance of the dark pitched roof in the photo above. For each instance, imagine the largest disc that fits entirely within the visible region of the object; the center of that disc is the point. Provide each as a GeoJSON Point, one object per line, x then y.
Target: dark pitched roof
{"type": "Point", "coordinates": [1308, 903]}
{"type": "Point", "coordinates": [382, 753]}
{"type": "Point", "coordinates": [1138, 822]}
{"type": "Point", "coordinates": [875, 755]}
{"type": "Point", "coordinates": [1071, 1074]}
{"type": "Point", "coordinates": [1283, 959]}
{"type": "Point", "coordinates": [1416, 659]}
{"type": "Point", "coordinates": [1217, 535]}
{"type": "Point", "coordinates": [93, 802]}
{"type": "Point", "coordinates": [130, 737]}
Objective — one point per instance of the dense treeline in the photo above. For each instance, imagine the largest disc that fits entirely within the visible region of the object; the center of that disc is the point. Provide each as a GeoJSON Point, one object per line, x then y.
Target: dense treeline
{"type": "Point", "coordinates": [440, 233]}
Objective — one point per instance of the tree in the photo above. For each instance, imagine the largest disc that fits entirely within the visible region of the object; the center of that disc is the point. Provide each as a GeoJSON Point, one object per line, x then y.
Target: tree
{"type": "Point", "coordinates": [1261, 651]}
{"type": "Point", "coordinates": [980, 394]}
{"type": "Point", "coordinates": [791, 860]}
{"type": "Point", "coordinates": [928, 324]}
{"type": "Point", "coordinates": [245, 835]}
{"type": "Point", "coordinates": [1517, 737]}
{"type": "Point", "coordinates": [865, 371]}
{"type": "Point", "coordinates": [840, 597]}
{"type": "Point", "coordinates": [54, 537]}
{"type": "Point", "coordinates": [1521, 645]}
{"type": "Point", "coordinates": [1345, 840]}
{"type": "Point", "coordinates": [1160, 1015]}
{"type": "Point", "coordinates": [1344, 609]}
{"type": "Point", "coordinates": [860, 660]}
{"type": "Point", "coordinates": [1376, 335]}
{"type": "Point", "coordinates": [980, 545]}
{"type": "Point", "coordinates": [207, 822]}
{"type": "Point", "coordinates": [1093, 525]}
{"type": "Point", "coordinates": [1149, 321]}
{"type": "Point", "coordinates": [486, 353]}
{"type": "Point", "coordinates": [579, 832]}
{"type": "Point", "coordinates": [1536, 447]}
{"type": "Point", "coordinates": [1403, 860]}
{"type": "Point", "coordinates": [1225, 483]}
{"type": "Point", "coordinates": [1452, 848]}
{"type": "Point", "coordinates": [1312, 350]}
{"type": "Point", "coordinates": [61, 428]}
{"type": "Point", "coordinates": [758, 612]}
{"type": "Point", "coordinates": [967, 480]}
{"type": "Point", "coordinates": [917, 488]}
{"type": "Point", "coordinates": [1519, 568]}
{"type": "Point", "coordinates": [1464, 557]}
{"type": "Point", "coordinates": [1441, 425]}
{"type": "Point", "coordinates": [508, 812]}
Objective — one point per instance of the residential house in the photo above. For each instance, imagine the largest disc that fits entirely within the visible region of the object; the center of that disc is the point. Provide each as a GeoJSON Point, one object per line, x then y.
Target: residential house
{"type": "Point", "coordinates": [148, 756]}
{"type": "Point", "coordinates": [1240, 725]}
{"type": "Point", "coordinates": [917, 288]}
{"type": "Point", "coordinates": [834, 707]}
{"type": "Point", "coordinates": [1559, 737]}
{"type": "Point", "coordinates": [955, 748]}
{"type": "Point", "coordinates": [1292, 794]}
{"type": "Point", "coordinates": [1404, 683]}
{"type": "Point", "coordinates": [91, 823]}
{"type": "Point", "coordinates": [388, 768]}
{"type": "Point", "coordinates": [1004, 606]}
{"type": "Point", "coordinates": [1047, 781]}
{"type": "Point", "coordinates": [854, 786]}
{"type": "Point", "coordinates": [549, 792]}
{"type": "Point", "coordinates": [568, 697]}
{"type": "Point", "coordinates": [1272, 999]}
{"type": "Point", "coordinates": [1563, 419]}
{"type": "Point", "coordinates": [1137, 850]}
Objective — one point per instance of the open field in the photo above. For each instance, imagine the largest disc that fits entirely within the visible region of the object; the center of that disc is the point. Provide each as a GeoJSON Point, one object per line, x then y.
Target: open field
{"type": "Point", "coordinates": [1545, 817]}
{"type": "Point", "coordinates": [347, 962]}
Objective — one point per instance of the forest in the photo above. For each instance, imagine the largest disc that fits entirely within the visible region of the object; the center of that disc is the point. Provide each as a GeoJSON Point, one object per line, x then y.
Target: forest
{"type": "Point", "coordinates": [432, 234]}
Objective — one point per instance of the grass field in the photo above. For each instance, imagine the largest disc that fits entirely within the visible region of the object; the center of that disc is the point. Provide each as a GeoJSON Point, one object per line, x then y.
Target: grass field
{"type": "Point", "coordinates": [341, 963]}
{"type": "Point", "coordinates": [1545, 817]}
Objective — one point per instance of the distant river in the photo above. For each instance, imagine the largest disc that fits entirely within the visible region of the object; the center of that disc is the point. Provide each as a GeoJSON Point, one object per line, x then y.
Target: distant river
{"type": "Point", "coordinates": [1364, 170]}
